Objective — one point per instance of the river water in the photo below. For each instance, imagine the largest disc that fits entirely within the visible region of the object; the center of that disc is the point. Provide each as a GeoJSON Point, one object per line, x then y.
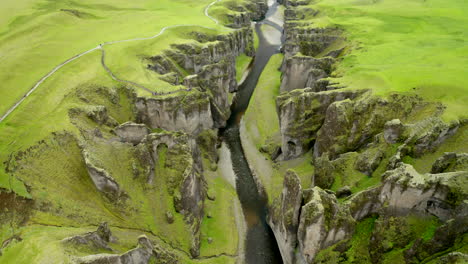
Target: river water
{"type": "Point", "coordinates": [260, 244]}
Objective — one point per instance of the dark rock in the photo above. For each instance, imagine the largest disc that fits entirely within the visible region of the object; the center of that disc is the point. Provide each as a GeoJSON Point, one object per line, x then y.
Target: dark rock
{"type": "Point", "coordinates": [393, 131]}
{"type": "Point", "coordinates": [444, 238]}
{"type": "Point", "coordinates": [450, 162]}
{"type": "Point", "coordinates": [98, 239]}
{"type": "Point", "coordinates": [169, 217]}
{"type": "Point", "coordinates": [343, 192]}
{"type": "Point", "coordinates": [139, 255]}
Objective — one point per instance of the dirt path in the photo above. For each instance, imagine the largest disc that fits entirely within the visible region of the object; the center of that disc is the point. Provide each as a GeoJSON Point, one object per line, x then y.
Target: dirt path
{"type": "Point", "coordinates": [100, 47]}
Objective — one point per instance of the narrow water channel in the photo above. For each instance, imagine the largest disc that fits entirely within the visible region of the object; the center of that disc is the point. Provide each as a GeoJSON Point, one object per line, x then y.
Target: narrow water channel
{"type": "Point", "coordinates": [260, 246]}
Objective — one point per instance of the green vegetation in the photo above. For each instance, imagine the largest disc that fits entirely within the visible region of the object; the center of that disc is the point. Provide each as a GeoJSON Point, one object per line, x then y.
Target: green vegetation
{"type": "Point", "coordinates": [457, 143]}
{"type": "Point", "coordinates": [242, 64]}
{"type": "Point", "coordinates": [47, 133]}
{"type": "Point", "coordinates": [410, 46]}
{"type": "Point", "coordinates": [265, 130]}
{"type": "Point", "coordinates": [59, 35]}
{"type": "Point", "coordinates": [359, 250]}
{"type": "Point", "coordinates": [219, 223]}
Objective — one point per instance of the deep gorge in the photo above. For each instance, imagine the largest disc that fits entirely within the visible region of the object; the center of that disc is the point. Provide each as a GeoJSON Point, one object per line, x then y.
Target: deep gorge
{"type": "Point", "coordinates": [236, 136]}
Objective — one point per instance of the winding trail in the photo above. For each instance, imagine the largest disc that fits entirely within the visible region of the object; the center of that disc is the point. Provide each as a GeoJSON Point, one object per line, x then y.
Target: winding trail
{"type": "Point", "coordinates": [101, 47]}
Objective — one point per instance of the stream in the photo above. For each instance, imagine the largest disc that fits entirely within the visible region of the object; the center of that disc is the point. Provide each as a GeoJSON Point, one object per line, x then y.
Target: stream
{"type": "Point", "coordinates": [260, 244]}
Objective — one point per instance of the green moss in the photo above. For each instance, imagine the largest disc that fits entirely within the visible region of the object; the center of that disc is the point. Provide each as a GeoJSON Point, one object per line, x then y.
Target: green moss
{"type": "Point", "coordinates": [457, 143]}
{"type": "Point", "coordinates": [265, 130]}
{"type": "Point", "coordinates": [242, 64]}
{"type": "Point", "coordinates": [221, 225]}
{"type": "Point", "coordinates": [359, 251]}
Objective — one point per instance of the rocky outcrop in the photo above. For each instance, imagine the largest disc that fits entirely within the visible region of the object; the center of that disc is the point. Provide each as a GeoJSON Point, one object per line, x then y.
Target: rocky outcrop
{"type": "Point", "coordinates": [103, 181]}
{"type": "Point", "coordinates": [284, 216]}
{"type": "Point", "coordinates": [450, 162]}
{"type": "Point", "coordinates": [423, 137]}
{"type": "Point", "coordinates": [186, 111]}
{"type": "Point", "coordinates": [323, 222]}
{"type": "Point", "coordinates": [303, 71]}
{"type": "Point", "coordinates": [406, 191]}
{"type": "Point", "coordinates": [302, 114]}
{"type": "Point", "coordinates": [142, 254]}
{"type": "Point", "coordinates": [131, 132]}
{"type": "Point", "coordinates": [243, 13]}
{"type": "Point", "coordinates": [444, 238]}
{"type": "Point", "coordinates": [209, 74]}
{"type": "Point", "coordinates": [98, 239]}
{"type": "Point", "coordinates": [350, 124]}
{"type": "Point", "coordinates": [186, 183]}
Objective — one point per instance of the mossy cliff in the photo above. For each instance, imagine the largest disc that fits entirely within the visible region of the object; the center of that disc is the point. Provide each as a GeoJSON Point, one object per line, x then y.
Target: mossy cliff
{"type": "Point", "coordinates": [362, 200]}
{"type": "Point", "coordinates": [143, 165]}
{"type": "Point", "coordinates": [206, 69]}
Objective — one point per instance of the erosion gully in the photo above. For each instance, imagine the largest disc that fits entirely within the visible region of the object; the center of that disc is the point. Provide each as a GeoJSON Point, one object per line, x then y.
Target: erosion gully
{"type": "Point", "coordinates": [260, 245]}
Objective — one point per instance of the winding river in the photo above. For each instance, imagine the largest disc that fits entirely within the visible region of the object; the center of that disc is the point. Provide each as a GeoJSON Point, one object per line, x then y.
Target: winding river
{"type": "Point", "coordinates": [260, 245]}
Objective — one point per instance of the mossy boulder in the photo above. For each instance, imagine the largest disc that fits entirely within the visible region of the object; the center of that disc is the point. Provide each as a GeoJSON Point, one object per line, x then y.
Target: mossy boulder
{"type": "Point", "coordinates": [323, 222]}
{"type": "Point", "coordinates": [450, 162]}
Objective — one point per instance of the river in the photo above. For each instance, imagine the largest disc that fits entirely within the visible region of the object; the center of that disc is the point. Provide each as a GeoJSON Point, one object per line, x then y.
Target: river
{"type": "Point", "coordinates": [260, 244]}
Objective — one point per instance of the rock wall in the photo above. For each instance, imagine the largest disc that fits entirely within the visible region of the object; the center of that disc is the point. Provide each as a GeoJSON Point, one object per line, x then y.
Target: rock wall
{"type": "Point", "coordinates": [211, 66]}
{"type": "Point", "coordinates": [187, 185]}
{"type": "Point", "coordinates": [284, 216]}
{"type": "Point", "coordinates": [301, 114]}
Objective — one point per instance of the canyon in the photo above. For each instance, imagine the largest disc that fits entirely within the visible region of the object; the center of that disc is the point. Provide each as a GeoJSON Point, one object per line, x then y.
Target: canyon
{"type": "Point", "coordinates": [233, 141]}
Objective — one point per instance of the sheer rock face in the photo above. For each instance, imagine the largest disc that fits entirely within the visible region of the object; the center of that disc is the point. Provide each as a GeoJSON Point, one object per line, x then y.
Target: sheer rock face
{"type": "Point", "coordinates": [188, 184]}
{"type": "Point", "coordinates": [284, 216]}
{"type": "Point", "coordinates": [323, 222]}
{"type": "Point", "coordinates": [212, 75]}
{"type": "Point", "coordinates": [186, 111]}
{"type": "Point", "coordinates": [442, 195]}
{"type": "Point", "coordinates": [131, 132]}
{"type": "Point", "coordinates": [301, 72]}
{"type": "Point", "coordinates": [243, 15]}
{"type": "Point", "coordinates": [406, 191]}
{"type": "Point", "coordinates": [301, 114]}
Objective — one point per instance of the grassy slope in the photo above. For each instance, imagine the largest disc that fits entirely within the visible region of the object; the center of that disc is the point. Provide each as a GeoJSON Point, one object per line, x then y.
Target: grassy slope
{"type": "Point", "coordinates": [35, 36]}
{"type": "Point", "coordinates": [404, 46]}
{"type": "Point", "coordinates": [261, 118]}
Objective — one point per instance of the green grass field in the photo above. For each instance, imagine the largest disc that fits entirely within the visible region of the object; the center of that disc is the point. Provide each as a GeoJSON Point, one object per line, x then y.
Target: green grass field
{"type": "Point", "coordinates": [37, 35]}
{"type": "Point", "coordinates": [411, 46]}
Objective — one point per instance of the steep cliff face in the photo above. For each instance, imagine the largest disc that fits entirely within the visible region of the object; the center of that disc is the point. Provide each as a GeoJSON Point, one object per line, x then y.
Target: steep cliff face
{"type": "Point", "coordinates": [186, 111]}
{"type": "Point", "coordinates": [180, 157]}
{"type": "Point", "coordinates": [210, 74]}
{"type": "Point", "coordinates": [284, 216]}
{"type": "Point", "coordinates": [242, 14]}
{"type": "Point", "coordinates": [362, 147]}
{"type": "Point", "coordinates": [301, 114]}
{"type": "Point", "coordinates": [323, 222]}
